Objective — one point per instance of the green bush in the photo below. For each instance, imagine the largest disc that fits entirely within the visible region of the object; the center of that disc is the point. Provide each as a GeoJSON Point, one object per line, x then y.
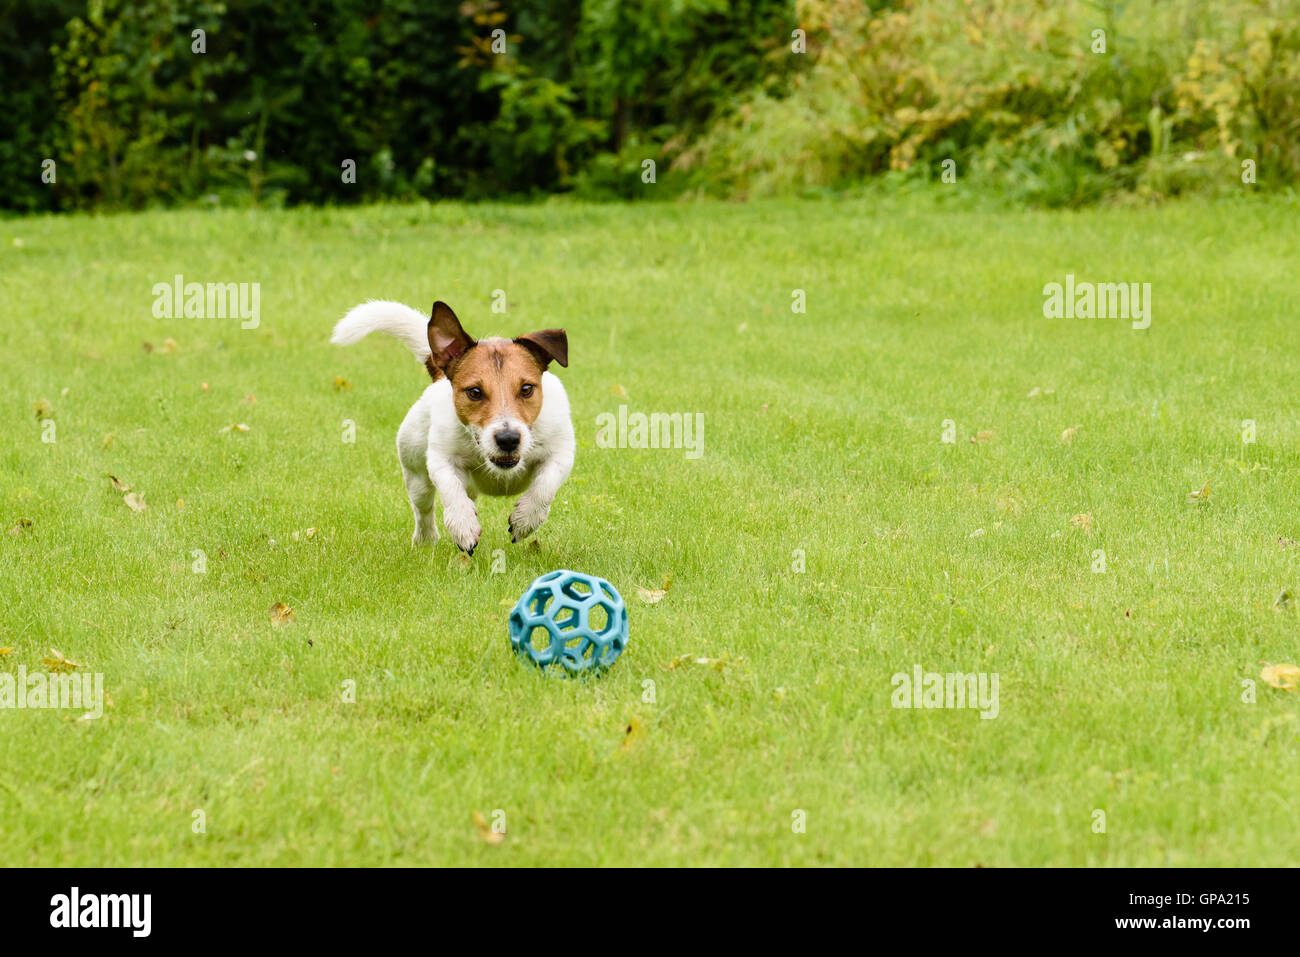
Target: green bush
{"type": "Point", "coordinates": [423, 100]}
{"type": "Point", "coordinates": [1019, 94]}
{"type": "Point", "coordinates": [412, 93]}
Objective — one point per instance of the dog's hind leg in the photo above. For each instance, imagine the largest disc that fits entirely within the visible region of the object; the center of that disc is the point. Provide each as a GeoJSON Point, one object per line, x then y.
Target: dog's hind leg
{"type": "Point", "coordinates": [423, 497]}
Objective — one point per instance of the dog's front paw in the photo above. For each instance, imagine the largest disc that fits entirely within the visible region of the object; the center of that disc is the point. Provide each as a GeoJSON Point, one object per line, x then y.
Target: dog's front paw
{"type": "Point", "coordinates": [463, 527]}
{"type": "Point", "coordinates": [527, 518]}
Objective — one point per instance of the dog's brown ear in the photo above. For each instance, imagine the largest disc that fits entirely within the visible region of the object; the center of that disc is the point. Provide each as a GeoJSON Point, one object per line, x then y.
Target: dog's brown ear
{"type": "Point", "coordinates": [547, 344]}
{"type": "Point", "coordinates": [447, 339]}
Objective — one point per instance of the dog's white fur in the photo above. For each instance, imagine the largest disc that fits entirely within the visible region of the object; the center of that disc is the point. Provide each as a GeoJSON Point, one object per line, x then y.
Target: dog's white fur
{"type": "Point", "coordinates": [442, 456]}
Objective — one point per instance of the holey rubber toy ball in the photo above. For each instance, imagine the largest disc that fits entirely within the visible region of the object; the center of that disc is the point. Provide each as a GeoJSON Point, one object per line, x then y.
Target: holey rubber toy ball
{"type": "Point", "coordinates": [570, 620]}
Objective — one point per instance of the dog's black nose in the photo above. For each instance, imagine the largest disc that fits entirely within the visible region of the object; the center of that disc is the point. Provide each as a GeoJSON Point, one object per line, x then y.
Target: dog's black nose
{"type": "Point", "coordinates": [507, 440]}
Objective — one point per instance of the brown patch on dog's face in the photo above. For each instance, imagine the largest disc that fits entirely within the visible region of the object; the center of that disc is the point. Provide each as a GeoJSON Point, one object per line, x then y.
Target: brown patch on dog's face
{"type": "Point", "coordinates": [496, 379]}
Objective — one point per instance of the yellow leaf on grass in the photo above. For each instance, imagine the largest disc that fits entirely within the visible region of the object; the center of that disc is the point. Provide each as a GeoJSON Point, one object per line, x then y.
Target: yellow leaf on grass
{"type": "Point", "coordinates": [619, 391]}
{"type": "Point", "coordinates": [485, 833]}
{"type": "Point", "coordinates": [169, 345]}
{"type": "Point", "coordinates": [281, 614]}
{"type": "Point", "coordinates": [58, 663]}
{"type": "Point", "coordinates": [43, 409]}
{"type": "Point", "coordinates": [5, 652]}
{"type": "Point", "coordinates": [1068, 435]}
{"type": "Point", "coordinates": [631, 734]}
{"type": "Point", "coordinates": [1200, 496]}
{"type": "Point", "coordinates": [982, 436]}
{"type": "Point", "coordinates": [1082, 521]}
{"type": "Point", "coordinates": [342, 384]}
{"type": "Point", "coordinates": [652, 595]}
{"type": "Point", "coordinates": [717, 664]}
{"type": "Point", "coordinates": [135, 502]}
{"type": "Point", "coordinates": [1286, 677]}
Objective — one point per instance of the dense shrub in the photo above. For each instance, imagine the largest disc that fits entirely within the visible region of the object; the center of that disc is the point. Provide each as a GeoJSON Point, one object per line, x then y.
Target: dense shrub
{"type": "Point", "coordinates": [1015, 93]}
{"type": "Point", "coordinates": [414, 93]}
{"type": "Point", "coordinates": [425, 104]}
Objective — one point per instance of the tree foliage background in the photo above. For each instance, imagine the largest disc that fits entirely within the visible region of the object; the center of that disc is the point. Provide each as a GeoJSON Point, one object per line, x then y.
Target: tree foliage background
{"type": "Point", "coordinates": [1014, 92]}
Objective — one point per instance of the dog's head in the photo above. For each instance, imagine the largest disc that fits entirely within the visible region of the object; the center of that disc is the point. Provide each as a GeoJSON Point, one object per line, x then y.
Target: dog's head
{"type": "Point", "coordinates": [495, 383]}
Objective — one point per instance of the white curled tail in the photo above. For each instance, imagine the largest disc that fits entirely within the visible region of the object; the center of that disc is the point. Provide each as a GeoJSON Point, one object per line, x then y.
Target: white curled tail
{"type": "Point", "coordinates": [397, 320]}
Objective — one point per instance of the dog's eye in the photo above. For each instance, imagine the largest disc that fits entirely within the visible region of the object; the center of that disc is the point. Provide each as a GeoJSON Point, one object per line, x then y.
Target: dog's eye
{"type": "Point", "coordinates": [475, 394]}
{"type": "Point", "coordinates": [526, 389]}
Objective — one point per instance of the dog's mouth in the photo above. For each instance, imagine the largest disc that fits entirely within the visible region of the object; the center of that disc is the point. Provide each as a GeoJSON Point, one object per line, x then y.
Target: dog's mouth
{"type": "Point", "coordinates": [504, 461]}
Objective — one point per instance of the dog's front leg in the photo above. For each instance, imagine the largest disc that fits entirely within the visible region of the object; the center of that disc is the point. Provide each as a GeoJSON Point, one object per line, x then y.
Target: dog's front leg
{"type": "Point", "coordinates": [535, 504]}
{"type": "Point", "coordinates": [459, 516]}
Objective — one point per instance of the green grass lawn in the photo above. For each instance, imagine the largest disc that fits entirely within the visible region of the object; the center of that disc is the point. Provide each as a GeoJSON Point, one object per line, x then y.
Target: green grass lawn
{"type": "Point", "coordinates": [1120, 691]}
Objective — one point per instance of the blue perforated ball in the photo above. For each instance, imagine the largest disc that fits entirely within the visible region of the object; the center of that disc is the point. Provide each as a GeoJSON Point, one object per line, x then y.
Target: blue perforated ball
{"type": "Point", "coordinates": [569, 619]}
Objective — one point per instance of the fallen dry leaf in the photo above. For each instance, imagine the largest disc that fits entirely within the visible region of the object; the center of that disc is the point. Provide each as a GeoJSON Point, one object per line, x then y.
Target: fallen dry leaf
{"type": "Point", "coordinates": [631, 734]}
{"type": "Point", "coordinates": [169, 345]}
{"type": "Point", "coordinates": [717, 664]}
{"type": "Point", "coordinates": [236, 427]}
{"type": "Point", "coordinates": [1282, 602]}
{"type": "Point", "coordinates": [281, 614]}
{"type": "Point", "coordinates": [109, 439]}
{"type": "Point", "coordinates": [147, 346]}
{"type": "Point", "coordinates": [1200, 496]}
{"type": "Point", "coordinates": [4, 652]}
{"type": "Point", "coordinates": [1010, 501]}
{"type": "Point", "coordinates": [20, 526]}
{"type": "Point", "coordinates": [654, 595]}
{"type": "Point", "coordinates": [1286, 677]}
{"type": "Point", "coordinates": [982, 436]}
{"type": "Point", "coordinates": [249, 399]}
{"type": "Point", "coordinates": [1082, 521]}
{"type": "Point", "coordinates": [118, 483]}
{"type": "Point", "coordinates": [43, 409]}
{"type": "Point", "coordinates": [619, 391]}
{"type": "Point", "coordinates": [342, 384]}
{"type": "Point", "coordinates": [1068, 435]}
{"type": "Point", "coordinates": [58, 663]}
{"type": "Point", "coordinates": [485, 833]}
{"type": "Point", "coordinates": [134, 501]}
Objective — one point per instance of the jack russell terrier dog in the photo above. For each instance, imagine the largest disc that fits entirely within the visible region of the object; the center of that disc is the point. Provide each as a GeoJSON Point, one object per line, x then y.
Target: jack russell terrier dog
{"type": "Point", "coordinates": [494, 420]}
